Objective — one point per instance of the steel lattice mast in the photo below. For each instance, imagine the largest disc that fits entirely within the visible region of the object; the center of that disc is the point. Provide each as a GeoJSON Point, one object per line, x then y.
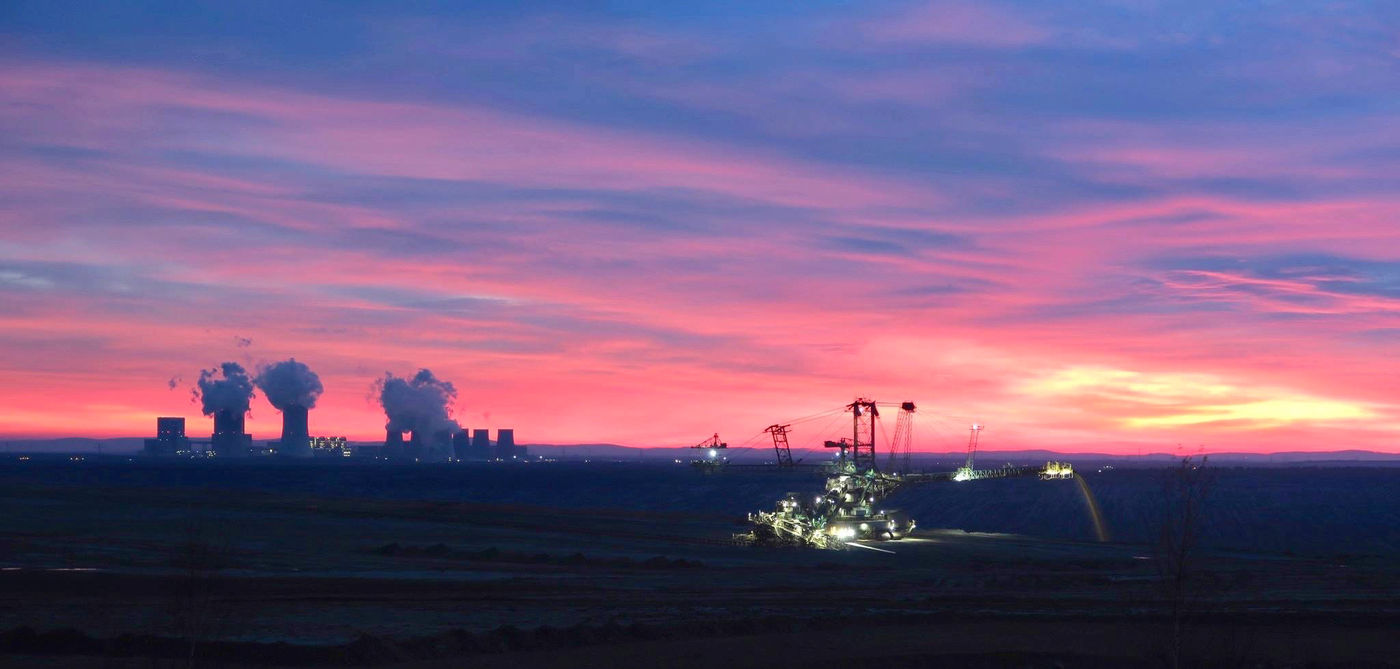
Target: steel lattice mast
{"type": "Point", "coordinates": [864, 414]}
{"type": "Point", "coordinates": [780, 444]}
{"type": "Point", "coordinates": [899, 458]}
{"type": "Point", "coordinates": [972, 444]}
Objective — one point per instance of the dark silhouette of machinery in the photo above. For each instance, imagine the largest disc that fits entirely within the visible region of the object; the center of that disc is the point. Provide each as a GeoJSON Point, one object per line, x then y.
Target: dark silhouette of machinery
{"type": "Point", "coordinates": [849, 510]}
{"type": "Point", "coordinates": [711, 454]}
{"type": "Point", "coordinates": [780, 444]}
{"type": "Point", "coordinates": [900, 457]}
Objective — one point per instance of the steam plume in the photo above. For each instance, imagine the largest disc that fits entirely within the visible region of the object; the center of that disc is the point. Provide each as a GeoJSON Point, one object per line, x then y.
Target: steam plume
{"type": "Point", "coordinates": [288, 383]}
{"type": "Point", "coordinates": [421, 404]}
{"type": "Point", "coordinates": [226, 387]}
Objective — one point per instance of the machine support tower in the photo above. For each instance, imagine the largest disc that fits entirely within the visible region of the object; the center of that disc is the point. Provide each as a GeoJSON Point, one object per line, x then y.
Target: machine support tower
{"type": "Point", "coordinates": [780, 444]}
{"type": "Point", "coordinates": [972, 444]}
{"type": "Point", "coordinates": [863, 417]}
{"type": "Point", "coordinates": [899, 458]}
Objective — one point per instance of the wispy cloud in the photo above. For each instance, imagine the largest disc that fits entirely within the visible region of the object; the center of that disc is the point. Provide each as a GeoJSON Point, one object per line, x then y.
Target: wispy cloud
{"type": "Point", "coordinates": [945, 22]}
{"type": "Point", "coordinates": [1078, 225]}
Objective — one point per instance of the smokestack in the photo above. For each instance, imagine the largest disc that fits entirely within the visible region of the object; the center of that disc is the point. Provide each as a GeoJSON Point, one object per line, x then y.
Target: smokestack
{"type": "Point", "coordinates": [292, 388]}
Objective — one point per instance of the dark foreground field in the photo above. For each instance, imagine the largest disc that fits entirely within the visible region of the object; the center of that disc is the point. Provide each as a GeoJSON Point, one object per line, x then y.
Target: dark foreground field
{"type": "Point", "coordinates": [128, 564]}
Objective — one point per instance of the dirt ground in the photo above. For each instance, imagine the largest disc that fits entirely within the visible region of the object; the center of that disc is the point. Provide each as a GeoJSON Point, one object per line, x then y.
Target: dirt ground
{"type": "Point", "coordinates": [638, 589]}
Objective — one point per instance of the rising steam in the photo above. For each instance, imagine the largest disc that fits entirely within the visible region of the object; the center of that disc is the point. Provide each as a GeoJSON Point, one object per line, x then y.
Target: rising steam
{"type": "Point", "coordinates": [289, 383]}
{"type": "Point", "coordinates": [421, 404]}
{"type": "Point", "coordinates": [226, 387]}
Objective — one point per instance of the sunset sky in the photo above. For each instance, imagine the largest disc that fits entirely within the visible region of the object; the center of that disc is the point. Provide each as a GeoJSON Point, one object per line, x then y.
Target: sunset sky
{"type": "Point", "coordinates": [1098, 226]}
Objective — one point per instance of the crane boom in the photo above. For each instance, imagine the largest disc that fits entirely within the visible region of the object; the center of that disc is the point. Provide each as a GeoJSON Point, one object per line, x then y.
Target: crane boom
{"type": "Point", "coordinates": [780, 444]}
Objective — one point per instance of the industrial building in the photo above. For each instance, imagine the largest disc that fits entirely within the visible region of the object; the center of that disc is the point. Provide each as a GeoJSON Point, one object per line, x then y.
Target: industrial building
{"type": "Point", "coordinates": [229, 439]}
{"type": "Point", "coordinates": [170, 437]}
{"type": "Point", "coordinates": [330, 447]}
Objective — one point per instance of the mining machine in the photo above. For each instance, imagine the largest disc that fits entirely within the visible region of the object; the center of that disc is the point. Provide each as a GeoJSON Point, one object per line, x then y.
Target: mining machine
{"type": "Point", "coordinates": [849, 509]}
{"type": "Point", "coordinates": [711, 454]}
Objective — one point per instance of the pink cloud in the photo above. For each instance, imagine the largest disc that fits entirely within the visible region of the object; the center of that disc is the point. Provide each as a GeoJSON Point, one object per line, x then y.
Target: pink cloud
{"type": "Point", "coordinates": [1128, 151]}
{"type": "Point", "coordinates": [568, 327]}
{"type": "Point", "coordinates": [418, 141]}
{"type": "Point", "coordinates": [1286, 296]}
{"type": "Point", "coordinates": [953, 23]}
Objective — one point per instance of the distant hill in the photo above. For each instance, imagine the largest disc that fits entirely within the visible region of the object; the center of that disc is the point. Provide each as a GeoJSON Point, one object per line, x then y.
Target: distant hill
{"type": "Point", "coordinates": [603, 451]}
{"type": "Point", "coordinates": [984, 458]}
{"type": "Point", "coordinates": [72, 445]}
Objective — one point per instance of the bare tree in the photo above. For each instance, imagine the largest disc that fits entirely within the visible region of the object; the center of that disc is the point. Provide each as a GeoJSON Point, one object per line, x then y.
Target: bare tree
{"type": "Point", "coordinates": [196, 614]}
{"type": "Point", "coordinates": [1184, 495]}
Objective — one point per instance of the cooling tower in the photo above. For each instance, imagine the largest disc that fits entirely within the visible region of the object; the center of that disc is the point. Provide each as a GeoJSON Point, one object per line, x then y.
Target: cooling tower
{"type": "Point", "coordinates": [505, 444]}
{"type": "Point", "coordinates": [461, 444]}
{"type": "Point", "coordinates": [296, 436]}
{"type": "Point", "coordinates": [393, 444]}
{"type": "Point", "coordinates": [229, 439]}
{"type": "Point", "coordinates": [481, 444]}
{"type": "Point", "coordinates": [439, 447]}
{"type": "Point", "coordinates": [228, 421]}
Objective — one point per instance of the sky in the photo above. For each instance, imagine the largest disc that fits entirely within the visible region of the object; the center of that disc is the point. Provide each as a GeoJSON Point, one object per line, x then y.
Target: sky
{"type": "Point", "coordinates": [1097, 226]}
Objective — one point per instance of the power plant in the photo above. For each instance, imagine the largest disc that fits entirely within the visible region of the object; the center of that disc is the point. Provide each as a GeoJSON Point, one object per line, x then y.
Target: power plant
{"type": "Point", "coordinates": [418, 406]}
{"type": "Point", "coordinates": [230, 440]}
